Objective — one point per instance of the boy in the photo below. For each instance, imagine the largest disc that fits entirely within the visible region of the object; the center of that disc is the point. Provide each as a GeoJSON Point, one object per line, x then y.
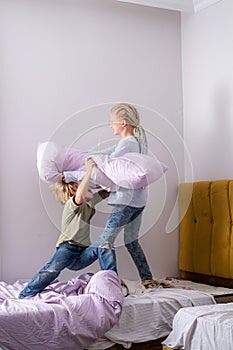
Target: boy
{"type": "Point", "coordinates": [73, 250]}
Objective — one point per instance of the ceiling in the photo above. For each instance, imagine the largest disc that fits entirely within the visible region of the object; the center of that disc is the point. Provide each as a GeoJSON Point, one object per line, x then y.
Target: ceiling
{"type": "Point", "coordinates": [189, 6]}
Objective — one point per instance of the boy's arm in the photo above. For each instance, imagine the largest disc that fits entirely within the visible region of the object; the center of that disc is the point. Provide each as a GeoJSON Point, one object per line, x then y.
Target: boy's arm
{"type": "Point", "coordinates": [83, 188]}
{"type": "Point", "coordinates": [99, 196]}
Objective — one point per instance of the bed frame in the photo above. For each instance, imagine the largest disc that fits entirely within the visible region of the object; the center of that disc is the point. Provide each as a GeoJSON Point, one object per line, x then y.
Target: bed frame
{"type": "Point", "coordinates": [150, 345]}
{"type": "Point", "coordinates": [206, 239]}
{"type": "Point", "coordinates": [206, 232]}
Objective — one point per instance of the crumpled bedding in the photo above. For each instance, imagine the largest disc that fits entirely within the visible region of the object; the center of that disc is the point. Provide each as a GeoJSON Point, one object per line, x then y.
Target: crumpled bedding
{"type": "Point", "coordinates": [202, 327]}
{"type": "Point", "coordinates": [66, 315]}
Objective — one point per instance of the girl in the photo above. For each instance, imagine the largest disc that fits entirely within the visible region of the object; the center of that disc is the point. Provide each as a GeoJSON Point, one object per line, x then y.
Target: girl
{"type": "Point", "coordinates": [128, 204]}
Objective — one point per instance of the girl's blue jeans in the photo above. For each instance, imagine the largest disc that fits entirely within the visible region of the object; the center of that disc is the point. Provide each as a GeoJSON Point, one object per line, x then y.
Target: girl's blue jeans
{"type": "Point", "coordinates": [127, 218]}
{"type": "Point", "coordinates": [72, 257]}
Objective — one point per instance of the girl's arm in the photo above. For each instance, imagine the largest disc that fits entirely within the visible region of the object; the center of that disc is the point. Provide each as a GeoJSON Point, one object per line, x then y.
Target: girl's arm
{"type": "Point", "coordinates": [108, 151]}
{"type": "Point", "coordinates": [73, 176]}
{"type": "Point", "coordinates": [126, 145]}
{"type": "Point", "coordinates": [97, 178]}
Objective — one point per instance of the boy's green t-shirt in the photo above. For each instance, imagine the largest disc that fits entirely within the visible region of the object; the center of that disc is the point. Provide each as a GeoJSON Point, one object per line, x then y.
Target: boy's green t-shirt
{"type": "Point", "coordinates": [76, 220]}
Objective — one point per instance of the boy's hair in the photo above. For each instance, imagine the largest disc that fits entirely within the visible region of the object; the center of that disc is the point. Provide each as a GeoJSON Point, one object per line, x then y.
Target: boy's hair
{"type": "Point", "coordinates": [63, 191]}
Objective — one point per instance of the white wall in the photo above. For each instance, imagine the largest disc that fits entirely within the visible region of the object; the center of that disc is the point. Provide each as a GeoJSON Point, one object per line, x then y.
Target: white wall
{"type": "Point", "coordinates": [65, 56]}
{"type": "Point", "coordinates": [207, 56]}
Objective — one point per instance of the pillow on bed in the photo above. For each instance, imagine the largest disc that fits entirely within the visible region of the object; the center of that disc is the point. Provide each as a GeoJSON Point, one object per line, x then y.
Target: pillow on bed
{"type": "Point", "coordinates": [133, 170]}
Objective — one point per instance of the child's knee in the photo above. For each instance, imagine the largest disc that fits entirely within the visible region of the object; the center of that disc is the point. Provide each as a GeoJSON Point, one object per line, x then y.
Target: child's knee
{"type": "Point", "coordinates": [106, 245]}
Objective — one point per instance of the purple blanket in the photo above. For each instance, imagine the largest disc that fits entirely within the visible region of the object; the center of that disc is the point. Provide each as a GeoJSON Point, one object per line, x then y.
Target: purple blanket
{"type": "Point", "coordinates": [66, 315]}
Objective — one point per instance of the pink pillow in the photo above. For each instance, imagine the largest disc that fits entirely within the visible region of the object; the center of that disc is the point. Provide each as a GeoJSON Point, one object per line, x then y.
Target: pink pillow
{"type": "Point", "coordinates": [53, 159]}
{"type": "Point", "coordinates": [133, 170]}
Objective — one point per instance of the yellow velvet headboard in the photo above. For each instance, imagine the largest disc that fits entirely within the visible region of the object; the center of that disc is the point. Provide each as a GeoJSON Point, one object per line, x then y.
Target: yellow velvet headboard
{"type": "Point", "coordinates": [206, 232]}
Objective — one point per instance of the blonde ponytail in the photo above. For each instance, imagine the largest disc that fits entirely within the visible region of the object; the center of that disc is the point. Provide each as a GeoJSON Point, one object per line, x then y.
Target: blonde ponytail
{"type": "Point", "coordinates": [140, 134]}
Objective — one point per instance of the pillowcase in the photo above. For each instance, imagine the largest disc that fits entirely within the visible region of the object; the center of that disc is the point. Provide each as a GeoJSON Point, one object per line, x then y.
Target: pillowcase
{"type": "Point", "coordinates": [133, 170]}
{"type": "Point", "coordinates": [53, 159]}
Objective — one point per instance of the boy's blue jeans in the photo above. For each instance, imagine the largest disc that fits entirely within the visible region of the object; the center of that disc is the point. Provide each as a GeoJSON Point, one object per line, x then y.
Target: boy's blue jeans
{"type": "Point", "coordinates": [72, 257]}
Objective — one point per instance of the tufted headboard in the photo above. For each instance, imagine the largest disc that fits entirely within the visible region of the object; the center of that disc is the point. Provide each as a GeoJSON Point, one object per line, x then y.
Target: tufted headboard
{"type": "Point", "coordinates": [206, 232]}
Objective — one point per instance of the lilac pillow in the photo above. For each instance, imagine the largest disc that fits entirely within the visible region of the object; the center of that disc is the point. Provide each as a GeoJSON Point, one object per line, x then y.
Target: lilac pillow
{"type": "Point", "coordinates": [133, 170]}
{"type": "Point", "coordinates": [53, 159]}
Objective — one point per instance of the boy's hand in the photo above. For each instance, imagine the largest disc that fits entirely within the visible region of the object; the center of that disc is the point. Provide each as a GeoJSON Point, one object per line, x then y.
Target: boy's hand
{"type": "Point", "coordinates": [89, 162]}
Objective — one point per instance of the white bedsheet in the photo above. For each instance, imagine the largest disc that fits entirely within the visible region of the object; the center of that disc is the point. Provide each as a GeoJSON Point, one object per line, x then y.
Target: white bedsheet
{"type": "Point", "coordinates": [149, 316]}
{"type": "Point", "coordinates": [203, 327]}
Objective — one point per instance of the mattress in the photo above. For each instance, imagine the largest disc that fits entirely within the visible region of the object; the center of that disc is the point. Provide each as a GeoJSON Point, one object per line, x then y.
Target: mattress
{"type": "Point", "coordinates": [149, 316]}
{"type": "Point", "coordinates": [203, 327]}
